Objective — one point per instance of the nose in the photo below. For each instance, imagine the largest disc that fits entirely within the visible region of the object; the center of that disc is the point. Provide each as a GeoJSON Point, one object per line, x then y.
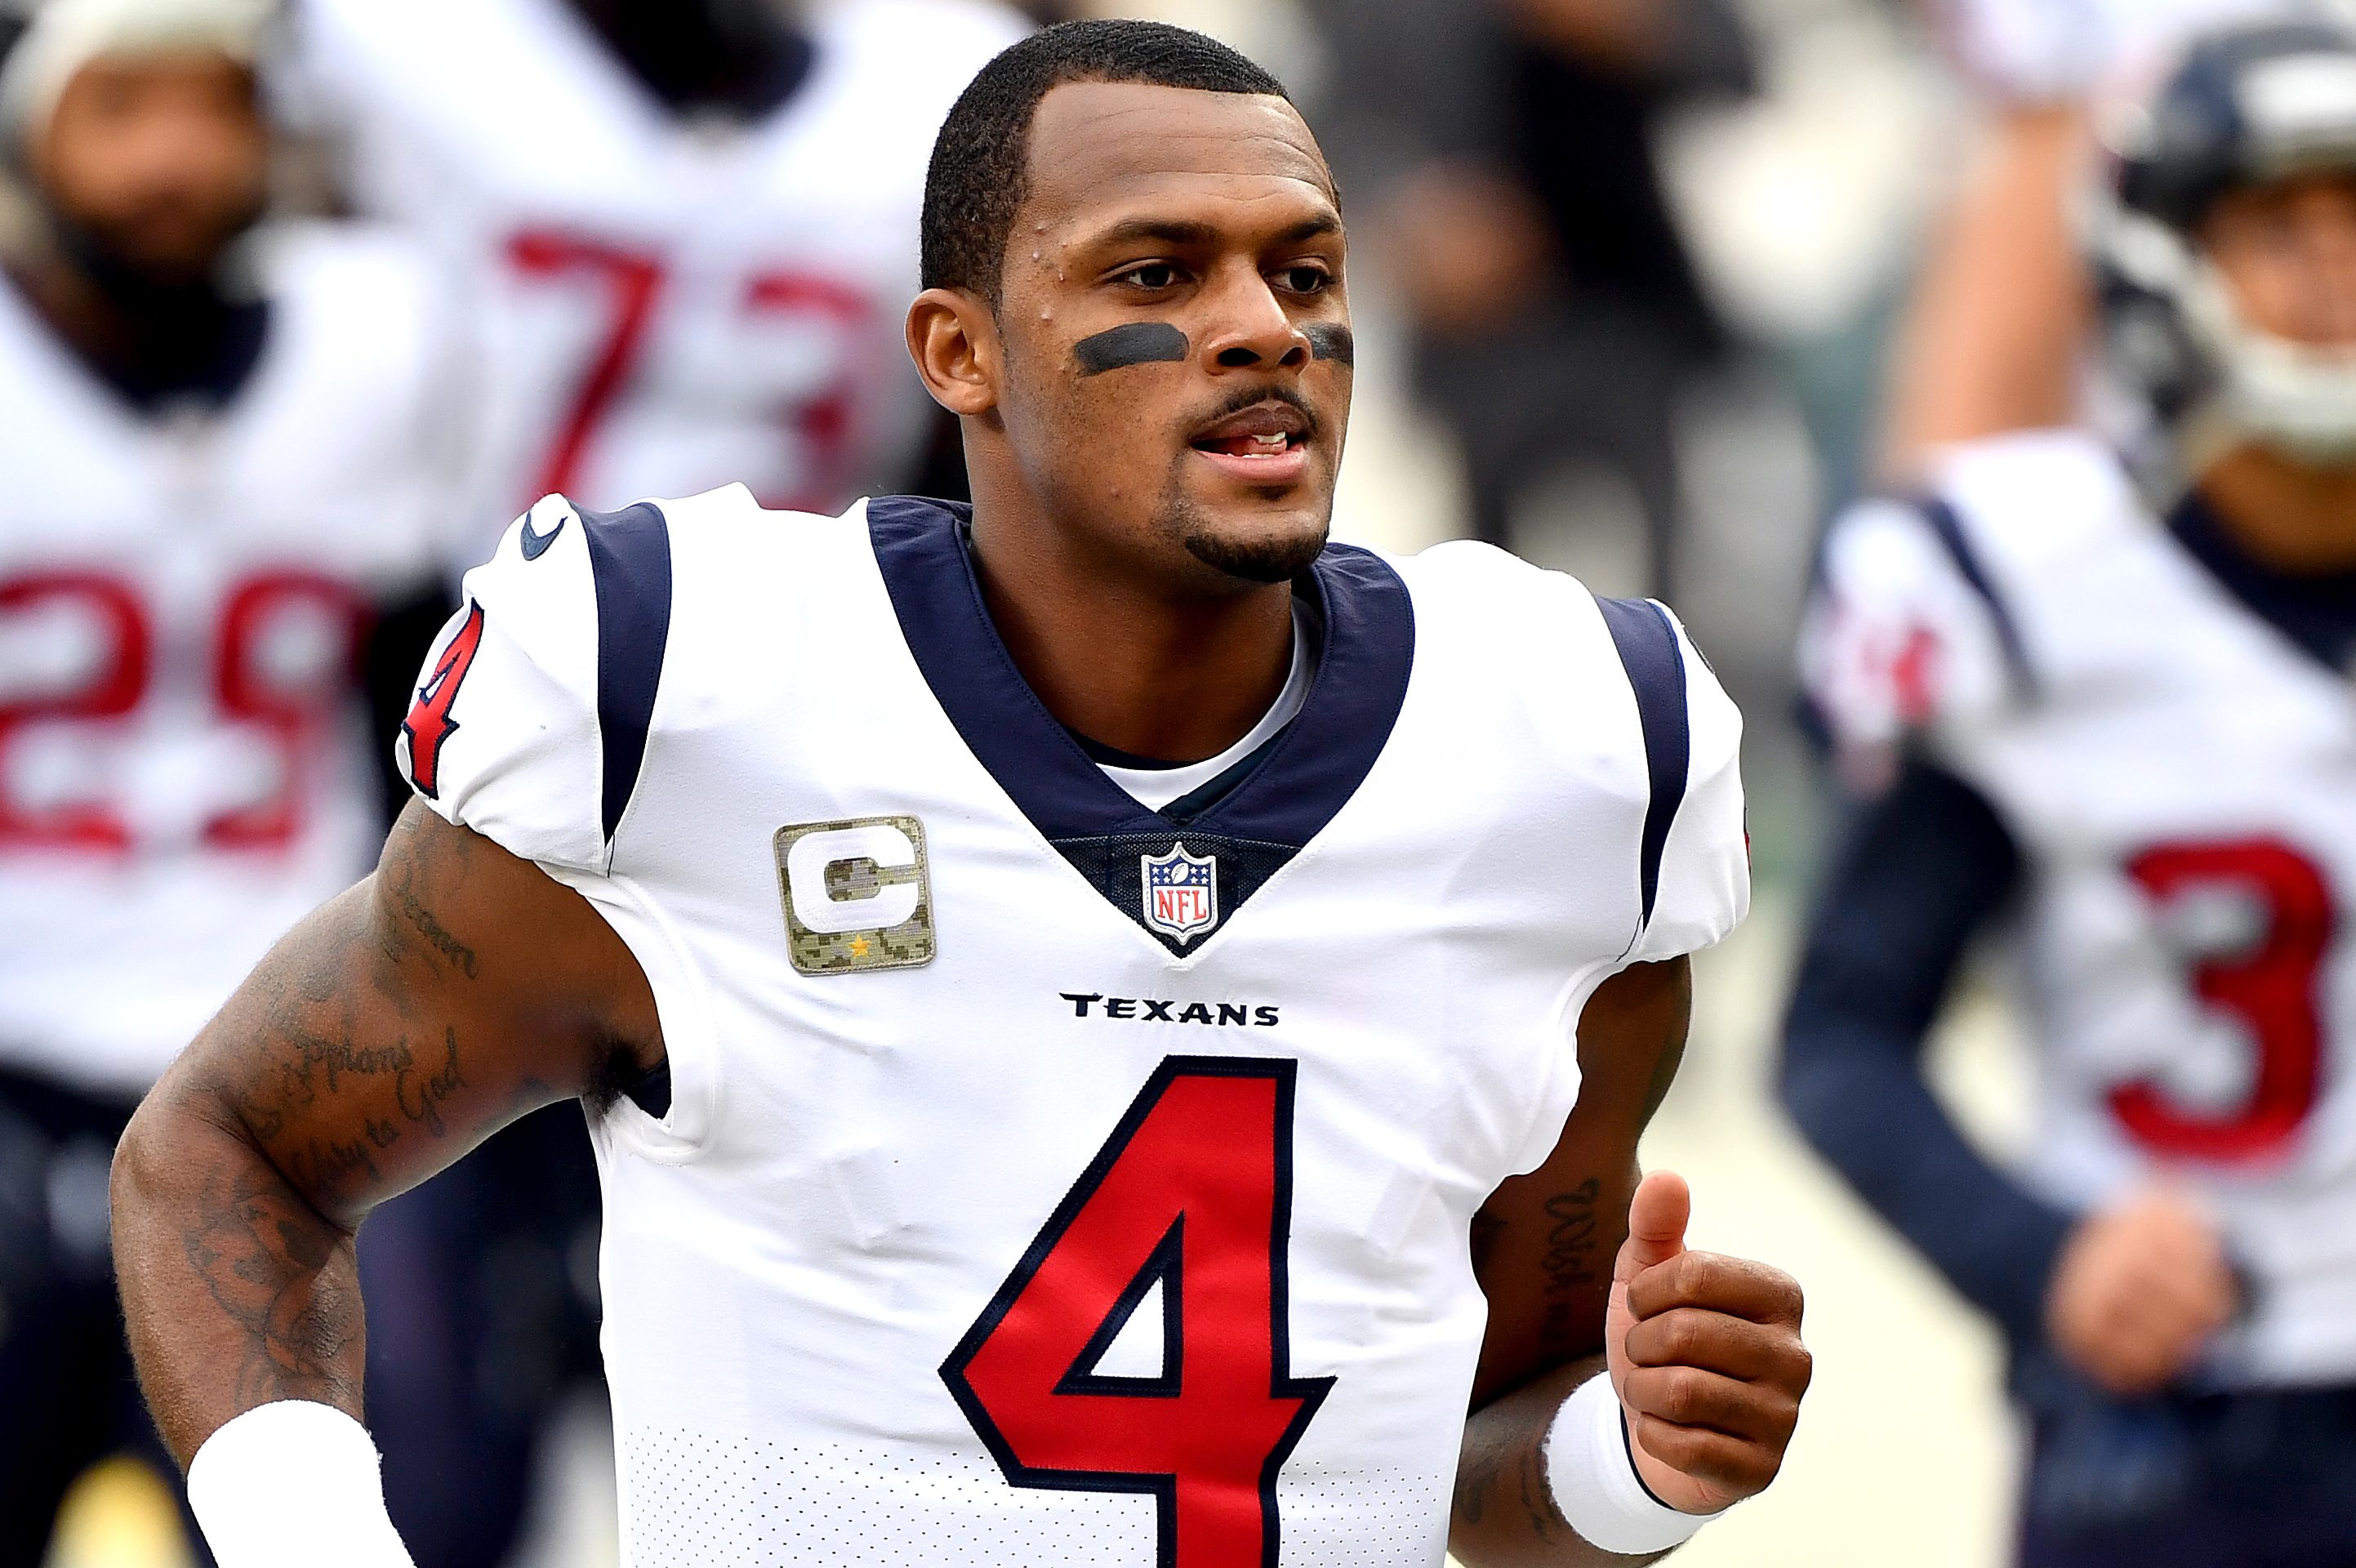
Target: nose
{"type": "Point", "coordinates": [1253, 330]}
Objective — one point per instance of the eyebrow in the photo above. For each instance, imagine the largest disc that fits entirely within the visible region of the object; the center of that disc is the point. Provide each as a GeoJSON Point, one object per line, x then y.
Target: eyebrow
{"type": "Point", "coordinates": [1183, 233]}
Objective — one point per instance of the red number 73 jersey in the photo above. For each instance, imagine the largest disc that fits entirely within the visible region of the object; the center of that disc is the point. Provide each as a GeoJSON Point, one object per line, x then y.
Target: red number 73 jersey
{"type": "Point", "coordinates": [669, 303]}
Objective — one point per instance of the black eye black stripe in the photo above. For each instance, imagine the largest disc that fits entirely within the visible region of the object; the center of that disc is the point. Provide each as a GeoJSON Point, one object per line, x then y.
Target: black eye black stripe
{"type": "Point", "coordinates": [1134, 343]}
{"type": "Point", "coordinates": [1332, 340]}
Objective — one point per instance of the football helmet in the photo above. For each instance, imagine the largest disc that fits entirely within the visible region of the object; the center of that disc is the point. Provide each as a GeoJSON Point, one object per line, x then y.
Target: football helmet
{"type": "Point", "coordinates": [2244, 105]}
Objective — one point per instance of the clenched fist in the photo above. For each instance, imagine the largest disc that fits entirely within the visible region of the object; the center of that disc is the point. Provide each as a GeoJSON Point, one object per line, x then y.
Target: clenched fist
{"type": "Point", "coordinates": [2139, 1291]}
{"type": "Point", "coordinates": [1705, 1355]}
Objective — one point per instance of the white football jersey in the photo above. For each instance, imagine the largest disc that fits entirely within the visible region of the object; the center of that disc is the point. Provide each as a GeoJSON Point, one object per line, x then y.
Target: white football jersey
{"type": "Point", "coordinates": [2182, 781]}
{"type": "Point", "coordinates": [184, 765]}
{"type": "Point", "coordinates": [1046, 1178]}
{"type": "Point", "coordinates": [668, 306]}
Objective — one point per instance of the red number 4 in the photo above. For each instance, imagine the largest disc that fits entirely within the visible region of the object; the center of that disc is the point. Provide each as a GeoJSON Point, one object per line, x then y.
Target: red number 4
{"type": "Point", "coordinates": [429, 723]}
{"type": "Point", "coordinates": [1191, 1192]}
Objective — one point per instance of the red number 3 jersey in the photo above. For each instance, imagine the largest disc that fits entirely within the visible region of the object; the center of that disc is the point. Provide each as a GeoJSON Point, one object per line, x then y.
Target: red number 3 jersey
{"type": "Point", "coordinates": [184, 765]}
{"type": "Point", "coordinates": [998, 1215]}
{"type": "Point", "coordinates": [2181, 777]}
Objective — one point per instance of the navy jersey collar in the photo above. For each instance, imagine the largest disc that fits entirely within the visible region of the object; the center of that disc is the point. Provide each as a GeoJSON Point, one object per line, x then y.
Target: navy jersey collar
{"type": "Point", "coordinates": [2315, 613]}
{"type": "Point", "coordinates": [1296, 784]}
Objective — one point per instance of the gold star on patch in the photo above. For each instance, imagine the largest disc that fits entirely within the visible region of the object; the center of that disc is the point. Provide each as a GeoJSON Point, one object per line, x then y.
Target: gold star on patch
{"type": "Point", "coordinates": [859, 946]}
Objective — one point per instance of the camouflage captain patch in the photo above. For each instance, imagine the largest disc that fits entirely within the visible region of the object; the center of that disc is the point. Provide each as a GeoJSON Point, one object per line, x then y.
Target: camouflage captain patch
{"type": "Point", "coordinates": [858, 894]}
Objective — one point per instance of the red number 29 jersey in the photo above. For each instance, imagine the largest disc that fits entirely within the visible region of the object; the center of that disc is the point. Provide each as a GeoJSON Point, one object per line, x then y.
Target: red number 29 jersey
{"type": "Point", "coordinates": [184, 765]}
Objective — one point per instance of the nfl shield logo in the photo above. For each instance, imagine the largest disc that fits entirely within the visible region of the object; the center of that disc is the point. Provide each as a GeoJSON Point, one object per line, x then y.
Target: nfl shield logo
{"type": "Point", "coordinates": [1182, 893]}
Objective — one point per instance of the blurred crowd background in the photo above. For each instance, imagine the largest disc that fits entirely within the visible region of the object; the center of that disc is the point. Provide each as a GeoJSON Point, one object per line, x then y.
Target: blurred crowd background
{"type": "Point", "coordinates": [1632, 278]}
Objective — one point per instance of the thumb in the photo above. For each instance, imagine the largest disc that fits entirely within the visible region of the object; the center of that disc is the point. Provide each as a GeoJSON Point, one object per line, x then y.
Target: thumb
{"type": "Point", "coordinates": [1656, 1224]}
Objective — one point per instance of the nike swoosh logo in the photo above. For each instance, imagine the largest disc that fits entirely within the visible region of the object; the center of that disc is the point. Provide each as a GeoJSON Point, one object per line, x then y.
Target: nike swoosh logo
{"type": "Point", "coordinates": [535, 546]}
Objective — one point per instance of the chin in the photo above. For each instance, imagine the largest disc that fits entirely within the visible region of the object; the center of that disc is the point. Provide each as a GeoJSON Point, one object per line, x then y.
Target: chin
{"type": "Point", "coordinates": [1272, 547]}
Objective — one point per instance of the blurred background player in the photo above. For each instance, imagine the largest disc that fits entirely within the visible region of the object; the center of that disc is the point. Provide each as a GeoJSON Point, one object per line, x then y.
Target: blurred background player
{"type": "Point", "coordinates": [220, 540]}
{"type": "Point", "coordinates": [687, 224]}
{"type": "Point", "coordinates": [1505, 151]}
{"type": "Point", "coordinates": [2118, 721]}
{"type": "Point", "coordinates": [1995, 333]}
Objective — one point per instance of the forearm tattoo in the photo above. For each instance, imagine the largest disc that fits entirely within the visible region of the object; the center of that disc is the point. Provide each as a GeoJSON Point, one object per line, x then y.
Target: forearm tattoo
{"type": "Point", "coordinates": [287, 1279]}
{"type": "Point", "coordinates": [260, 1230]}
{"type": "Point", "coordinates": [1569, 1266]}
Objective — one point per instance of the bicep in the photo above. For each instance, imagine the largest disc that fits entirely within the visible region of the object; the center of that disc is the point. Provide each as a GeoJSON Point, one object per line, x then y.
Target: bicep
{"type": "Point", "coordinates": [1544, 1243]}
{"type": "Point", "coordinates": [452, 991]}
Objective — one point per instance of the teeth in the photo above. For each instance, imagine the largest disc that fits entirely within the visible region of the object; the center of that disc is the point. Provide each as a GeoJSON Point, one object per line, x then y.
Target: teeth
{"type": "Point", "coordinates": [1270, 443]}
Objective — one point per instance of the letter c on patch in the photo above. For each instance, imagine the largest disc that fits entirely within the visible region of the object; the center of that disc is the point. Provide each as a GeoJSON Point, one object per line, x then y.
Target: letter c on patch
{"type": "Point", "coordinates": [812, 855]}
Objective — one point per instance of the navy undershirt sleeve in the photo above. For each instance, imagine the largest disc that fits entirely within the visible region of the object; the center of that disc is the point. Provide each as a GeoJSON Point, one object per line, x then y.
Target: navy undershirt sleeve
{"type": "Point", "coordinates": [1920, 871]}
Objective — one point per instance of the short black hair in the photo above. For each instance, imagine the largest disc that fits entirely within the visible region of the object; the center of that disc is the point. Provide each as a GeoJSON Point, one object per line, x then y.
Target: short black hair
{"type": "Point", "coordinates": [982, 160]}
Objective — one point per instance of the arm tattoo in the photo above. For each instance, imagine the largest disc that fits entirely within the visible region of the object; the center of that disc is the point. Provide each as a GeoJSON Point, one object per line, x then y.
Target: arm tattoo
{"type": "Point", "coordinates": [1569, 1265]}
{"type": "Point", "coordinates": [399, 873]}
{"type": "Point", "coordinates": [1505, 1502]}
{"type": "Point", "coordinates": [379, 1041]}
{"type": "Point", "coordinates": [260, 1235]}
{"type": "Point", "coordinates": [288, 1280]}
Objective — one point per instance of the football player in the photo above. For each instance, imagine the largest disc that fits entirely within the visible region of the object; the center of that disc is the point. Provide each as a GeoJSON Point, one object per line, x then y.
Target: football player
{"type": "Point", "coordinates": [224, 444]}
{"type": "Point", "coordinates": [1996, 335]}
{"type": "Point", "coordinates": [2108, 714]}
{"type": "Point", "coordinates": [686, 221]}
{"type": "Point", "coordinates": [1108, 1022]}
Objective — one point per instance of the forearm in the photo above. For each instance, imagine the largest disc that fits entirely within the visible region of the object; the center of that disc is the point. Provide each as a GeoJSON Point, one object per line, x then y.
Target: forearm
{"type": "Point", "coordinates": [1506, 1515]}
{"type": "Point", "coordinates": [236, 1289]}
{"type": "Point", "coordinates": [1920, 872]}
{"type": "Point", "coordinates": [1865, 1105]}
{"type": "Point", "coordinates": [386, 1035]}
{"type": "Point", "coordinates": [1993, 335]}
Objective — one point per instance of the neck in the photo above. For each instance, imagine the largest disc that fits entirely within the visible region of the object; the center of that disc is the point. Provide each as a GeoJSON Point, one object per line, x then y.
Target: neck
{"type": "Point", "coordinates": [1125, 661]}
{"type": "Point", "coordinates": [2288, 516]}
{"type": "Point", "coordinates": [702, 54]}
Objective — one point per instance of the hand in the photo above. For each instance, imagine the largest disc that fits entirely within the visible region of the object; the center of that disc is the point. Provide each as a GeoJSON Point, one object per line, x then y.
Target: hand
{"type": "Point", "coordinates": [1704, 1354]}
{"type": "Point", "coordinates": [2140, 1289]}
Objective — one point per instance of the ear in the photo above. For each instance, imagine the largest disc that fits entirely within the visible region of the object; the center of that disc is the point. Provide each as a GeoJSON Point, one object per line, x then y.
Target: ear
{"type": "Point", "coordinates": [953, 338]}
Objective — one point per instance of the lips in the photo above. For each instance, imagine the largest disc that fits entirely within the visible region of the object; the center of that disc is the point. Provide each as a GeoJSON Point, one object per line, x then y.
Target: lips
{"type": "Point", "coordinates": [1267, 429]}
{"type": "Point", "coordinates": [1265, 445]}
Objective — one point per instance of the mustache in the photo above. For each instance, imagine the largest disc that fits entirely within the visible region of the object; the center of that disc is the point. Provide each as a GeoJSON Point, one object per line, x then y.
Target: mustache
{"type": "Point", "coordinates": [1243, 398]}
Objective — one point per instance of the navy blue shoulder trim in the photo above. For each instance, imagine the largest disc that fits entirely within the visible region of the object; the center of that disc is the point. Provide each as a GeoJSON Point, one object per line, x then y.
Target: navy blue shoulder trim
{"type": "Point", "coordinates": [629, 560]}
{"type": "Point", "coordinates": [1655, 662]}
{"type": "Point", "coordinates": [1947, 527]}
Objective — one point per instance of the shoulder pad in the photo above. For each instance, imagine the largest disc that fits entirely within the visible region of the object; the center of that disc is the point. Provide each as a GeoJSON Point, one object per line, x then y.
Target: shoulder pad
{"type": "Point", "coordinates": [532, 717]}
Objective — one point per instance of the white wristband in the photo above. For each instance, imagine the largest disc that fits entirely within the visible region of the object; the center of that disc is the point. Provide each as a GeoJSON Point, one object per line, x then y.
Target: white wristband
{"type": "Point", "coordinates": [290, 1485]}
{"type": "Point", "coordinates": [1592, 1476]}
